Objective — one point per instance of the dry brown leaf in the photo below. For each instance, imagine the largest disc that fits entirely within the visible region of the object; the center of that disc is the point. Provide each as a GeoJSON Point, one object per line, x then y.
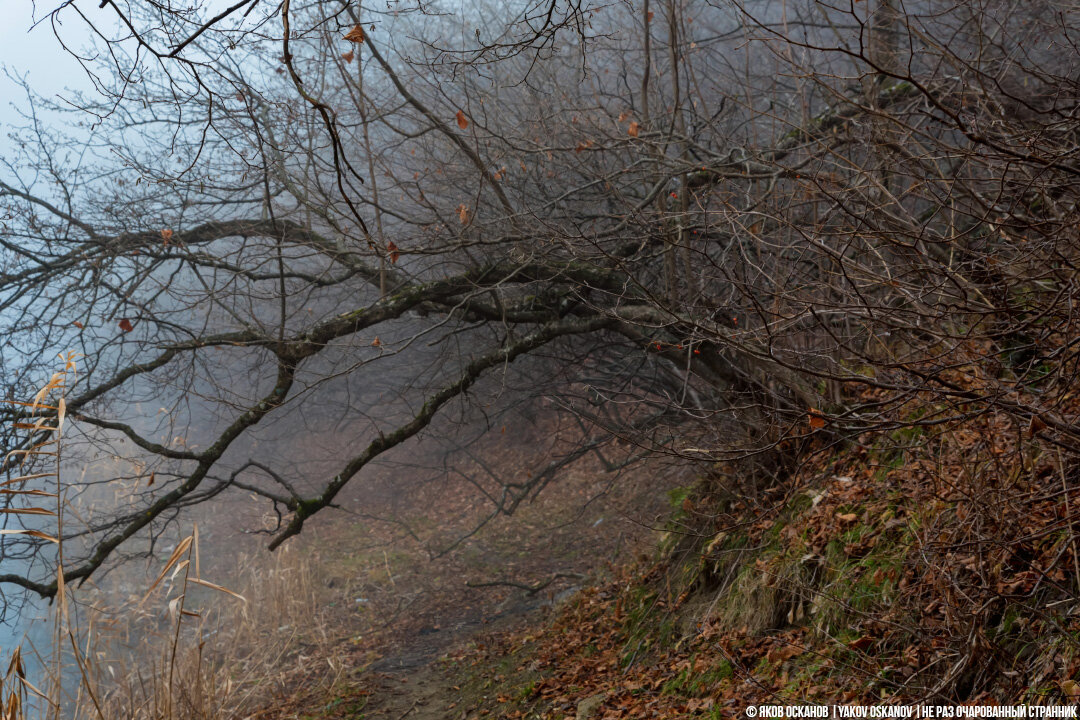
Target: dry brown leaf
{"type": "Point", "coordinates": [36, 493]}
{"type": "Point", "coordinates": [782, 653]}
{"type": "Point", "coordinates": [31, 533]}
{"type": "Point", "coordinates": [24, 478]}
{"type": "Point", "coordinates": [195, 547]}
{"type": "Point", "coordinates": [463, 213]}
{"type": "Point", "coordinates": [27, 404]}
{"type": "Point", "coordinates": [177, 554]}
{"type": "Point", "coordinates": [35, 426]}
{"type": "Point", "coordinates": [862, 643]}
{"type": "Point", "coordinates": [355, 35]}
{"type": "Point", "coordinates": [347, 56]}
{"type": "Point", "coordinates": [633, 130]}
{"type": "Point", "coordinates": [219, 588]}
{"type": "Point", "coordinates": [462, 121]}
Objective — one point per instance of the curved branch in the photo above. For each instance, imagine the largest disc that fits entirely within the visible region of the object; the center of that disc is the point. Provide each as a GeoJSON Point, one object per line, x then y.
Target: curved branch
{"type": "Point", "coordinates": [468, 377]}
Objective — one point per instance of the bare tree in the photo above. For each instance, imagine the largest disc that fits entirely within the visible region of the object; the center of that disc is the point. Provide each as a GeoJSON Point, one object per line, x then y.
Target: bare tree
{"type": "Point", "coordinates": [712, 226]}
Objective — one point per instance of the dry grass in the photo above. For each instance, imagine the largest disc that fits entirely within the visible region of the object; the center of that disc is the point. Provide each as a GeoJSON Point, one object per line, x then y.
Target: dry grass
{"type": "Point", "coordinates": [200, 650]}
{"type": "Point", "coordinates": [229, 657]}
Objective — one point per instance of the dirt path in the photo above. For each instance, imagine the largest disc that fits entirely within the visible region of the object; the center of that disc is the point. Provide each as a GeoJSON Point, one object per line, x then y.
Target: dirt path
{"type": "Point", "coordinates": [414, 567]}
{"type": "Point", "coordinates": [412, 683]}
{"type": "Point", "coordinates": [422, 694]}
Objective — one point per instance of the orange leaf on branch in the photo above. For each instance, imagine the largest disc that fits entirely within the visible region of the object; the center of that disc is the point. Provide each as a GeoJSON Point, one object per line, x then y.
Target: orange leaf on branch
{"type": "Point", "coordinates": [462, 121]}
{"type": "Point", "coordinates": [393, 250]}
{"type": "Point", "coordinates": [355, 35]}
{"type": "Point", "coordinates": [126, 325]}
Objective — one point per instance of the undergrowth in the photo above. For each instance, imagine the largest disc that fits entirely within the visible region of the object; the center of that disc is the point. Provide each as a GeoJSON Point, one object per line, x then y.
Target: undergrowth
{"type": "Point", "coordinates": [920, 564]}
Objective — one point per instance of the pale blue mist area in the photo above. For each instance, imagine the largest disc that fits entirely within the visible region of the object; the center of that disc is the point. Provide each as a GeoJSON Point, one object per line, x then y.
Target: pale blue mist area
{"type": "Point", "coordinates": [35, 53]}
{"type": "Point", "coordinates": [37, 50]}
{"type": "Point", "coordinates": [30, 50]}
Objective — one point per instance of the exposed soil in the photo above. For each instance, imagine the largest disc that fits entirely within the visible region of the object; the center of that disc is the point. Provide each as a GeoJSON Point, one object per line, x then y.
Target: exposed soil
{"type": "Point", "coordinates": [412, 683]}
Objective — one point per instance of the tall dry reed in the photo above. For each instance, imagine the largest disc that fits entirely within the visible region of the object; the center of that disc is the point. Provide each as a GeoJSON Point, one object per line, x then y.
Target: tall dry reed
{"type": "Point", "coordinates": [202, 660]}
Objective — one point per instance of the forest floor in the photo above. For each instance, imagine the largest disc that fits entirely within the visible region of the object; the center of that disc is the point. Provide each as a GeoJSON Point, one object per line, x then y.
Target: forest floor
{"type": "Point", "coordinates": [932, 563]}
{"type": "Point", "coordinates": [405, 582]}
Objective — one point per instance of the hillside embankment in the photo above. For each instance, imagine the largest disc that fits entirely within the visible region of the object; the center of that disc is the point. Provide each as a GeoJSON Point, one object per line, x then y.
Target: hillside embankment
{"type": "Point", "coordinates": [934, 562]}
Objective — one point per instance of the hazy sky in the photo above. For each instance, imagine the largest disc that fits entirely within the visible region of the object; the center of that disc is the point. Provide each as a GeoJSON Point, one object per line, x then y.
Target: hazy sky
{"type": "Point", "coordinates": [35, 53]}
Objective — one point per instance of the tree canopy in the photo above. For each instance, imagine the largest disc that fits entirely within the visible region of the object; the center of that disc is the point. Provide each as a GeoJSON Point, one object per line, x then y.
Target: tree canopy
{"type": "Point", "coordinates": [692, 227]}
